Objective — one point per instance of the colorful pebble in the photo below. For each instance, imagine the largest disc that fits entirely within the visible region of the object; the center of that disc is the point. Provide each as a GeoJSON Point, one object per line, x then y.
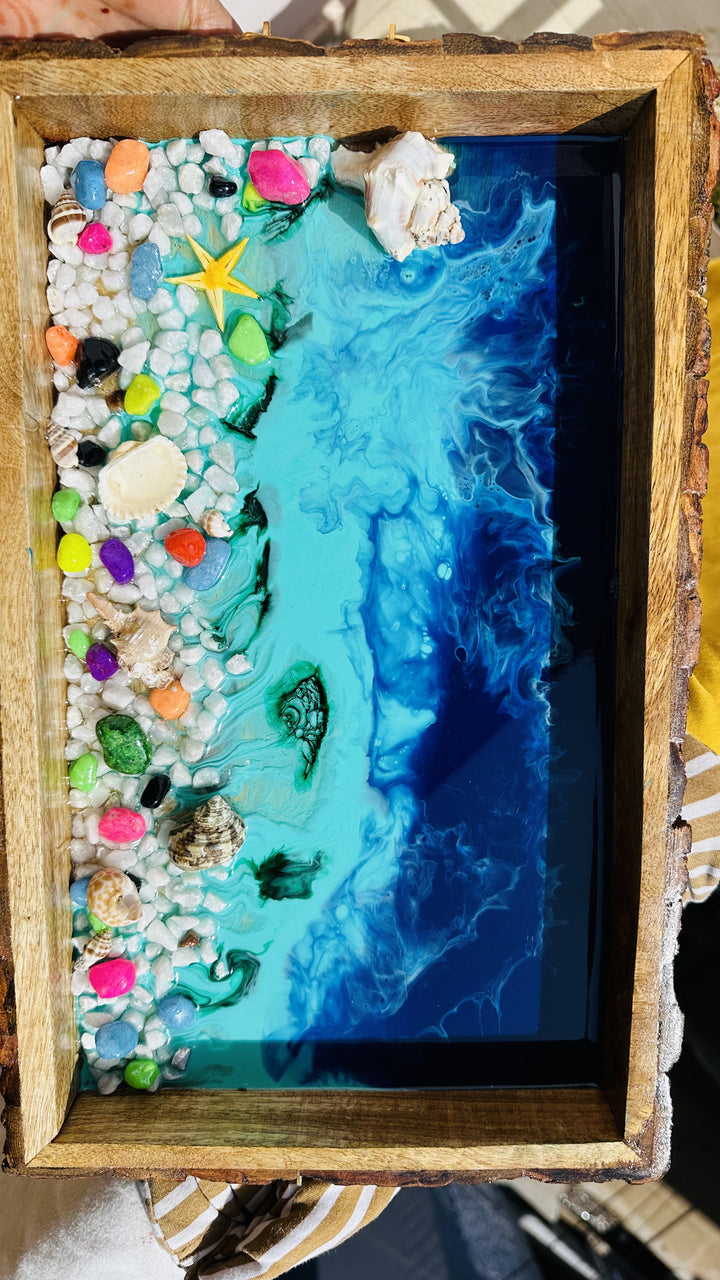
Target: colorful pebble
{"type": "Point", "coordinates": [170, 702]}
{"type": "Point", "coordinates": [61, 344]}
{"type": "Point", "coordinates": [116, 1039]}
{"type": "Point", "coordinates": [83, 772]}
{"type": "Point", "coordinates": [211, 568]}
{"type": "Point", "coordinates": [78, 891]}
{"type": "Point", "coordinates": [124, 745]}
{"type": "Point", "coordinates": [112, 978]}
{"type": "Point", "coordinates": [65, 504]}
{"type": "Point", "coordinates": [141, 395]}
{"type": "Point", "coordinates": [101, 663]}
{"type": "Point", "coordinates": [74, 554]}
{"type": "Point", "coordinates": [146, 270]}
{"type": "Point", "coordinates": [221, 188]}
{"type": "Point", "coordinates": [118, 560]}
{"type": "Point", "coordinates": [98, 358]}
{"type": "Point", "coordinates": [155, 791]}
{"type": "Point", "coordinates": [252, 201]}
{"type": "Point", "coordinates": [91, 454]}
{"type": "Point", "coordinates": [278, 177]}
{"type": "Point", "coordinates": [95, 239]}
{"type": "Point", "coordinates": [88, 183]}
{"type": "Point", "coordinates": [141, 1073]}
{"type": "Point", "coordinates": [248, 342]}
{"type": "Point", "coordinates": [127, 166]}
{"type": "Point", "coordinates": [95, 922]}
{"type": "Point", "coordinates": [122, 826]}
{"type": "Point", "coordinates": [176, 1012]}
{"type": "Point", "coordinates": [79, 642]}
{"type": "Point", "coordinates": [187, 546]}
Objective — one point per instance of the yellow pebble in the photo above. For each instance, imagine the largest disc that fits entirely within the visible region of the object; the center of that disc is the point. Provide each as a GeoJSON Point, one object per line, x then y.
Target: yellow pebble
{"type": "Point", "coordinates": [74, 553]}
{"type": "Point", "coordinates": [141, 394]}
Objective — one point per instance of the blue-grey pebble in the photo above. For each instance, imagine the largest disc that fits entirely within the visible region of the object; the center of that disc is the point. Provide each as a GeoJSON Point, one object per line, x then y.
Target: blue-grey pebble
{"type": "Point", "coordinates": [176, 1012]}
{"type": "Point", "coordinates": [204, 575]}
{"type": "Point", "coordinates": [88, 183]}
{"type": "Point", "coordinates": [78, 891]}
{"type": "Point", "coordinates": [146, 270]}
{"type": "Point", "coordinates": [116, 1039]}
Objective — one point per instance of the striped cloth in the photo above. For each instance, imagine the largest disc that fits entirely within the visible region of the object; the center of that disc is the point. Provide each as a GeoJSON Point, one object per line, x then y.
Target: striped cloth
{"type": "Point", "coordinates": [225, 1229]}
{"type": "Point", "coordinates": [702, 810]}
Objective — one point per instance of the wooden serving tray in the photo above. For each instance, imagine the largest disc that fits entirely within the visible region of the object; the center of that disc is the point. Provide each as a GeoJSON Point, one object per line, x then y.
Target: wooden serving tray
{"type": "Point", "coordinates": [657, 89]}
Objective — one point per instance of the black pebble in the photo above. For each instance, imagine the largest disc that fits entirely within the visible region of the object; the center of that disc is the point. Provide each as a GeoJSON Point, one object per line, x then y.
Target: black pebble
{"type": "Point", "coordinates": [98, 358]}
{"type": "Point", "coordinates": [91, 454]}
{"type": "Point", "coordinates": [222, 187]}
{"type": "Point", "coordinates": [155, 791]}
{"type": "Point", "coordinates": [135, 879]}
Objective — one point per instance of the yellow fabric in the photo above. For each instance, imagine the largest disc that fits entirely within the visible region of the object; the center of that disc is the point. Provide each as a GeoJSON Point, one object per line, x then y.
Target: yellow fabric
{"type": "Point", "coordinates": [704, 706]}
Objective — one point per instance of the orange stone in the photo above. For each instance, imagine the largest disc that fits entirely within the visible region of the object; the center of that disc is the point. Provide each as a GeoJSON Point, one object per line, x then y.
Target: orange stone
{"type": "Point", "coordinates": [61, 344]}
{"type": "Point", "coordinates": [171, 701]}
{"type": "Point", "coordinates": [127, 166]}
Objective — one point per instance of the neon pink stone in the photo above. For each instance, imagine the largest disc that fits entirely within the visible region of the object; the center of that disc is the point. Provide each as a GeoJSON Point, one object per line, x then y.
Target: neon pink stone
{"type": "Point", "coordinates": [95, 238]}
{"type": "Point", "coordinates": [276, 176]}
{"type": "Point", "coordinates": [112, 978]}
{"type": "Point", "coordinates": [122, 826]}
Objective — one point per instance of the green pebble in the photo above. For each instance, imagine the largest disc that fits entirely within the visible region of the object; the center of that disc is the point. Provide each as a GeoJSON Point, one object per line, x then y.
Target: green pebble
{"type": "Point", "coordinates": [79, 642]}
{"type": "Point", "coordinates": [141, 1073]}
{"type": "Point", "coordinates": [251, 198]}
{"type": "Point", "coordinates": [248, 342]}
{"type": "Point", "coordinates": [65, 504]}
{"type": "Point", "coordinates": [83, 772]}
{"type": "Point", "coordinates": [124, 745]}
{"type": "Point", "coordinates": [98, 925]}
{"type": "Point", "coordinates": [141, 394]}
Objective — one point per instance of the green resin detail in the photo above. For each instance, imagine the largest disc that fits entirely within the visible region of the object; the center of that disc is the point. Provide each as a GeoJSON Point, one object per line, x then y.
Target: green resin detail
{"type": "Point", "coordinates": [282, 876]}
{"type": "Point", "coordinates": [298, 706]}
{"type": "Point", "coordinates": [248, 342]}
{"type": "Point", "coordinates": [252, 201]}
{"type": "Point", "coordinates": [222, 970]}
{"type": "Point", "coordinates": [124, 745]}
{"type": "Point", "coordinates": [141, 1073]}
{"type": "Point", "coordinates": [244, 418]}
{"type": "Point", "coordinates": [79, 642]}
{"type": "Point", "coordinates": [65, 504]}
{"type": "Point", "coordinates": [83, 772]}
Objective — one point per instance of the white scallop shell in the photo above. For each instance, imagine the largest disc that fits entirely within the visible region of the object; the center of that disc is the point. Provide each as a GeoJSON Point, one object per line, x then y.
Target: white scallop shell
{"type": "Point", "coordinates": [142, 478]}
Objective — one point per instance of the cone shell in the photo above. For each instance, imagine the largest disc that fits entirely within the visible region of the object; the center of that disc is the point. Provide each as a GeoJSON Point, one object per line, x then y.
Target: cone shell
{"type": "Point", "coordinates": [140, 640]}
{"type": "Point", "coordinates": [67, 219]}
{"type": "Point", "coordinates": [142, 478]}
{"type": "Point", "coordinates": [63, 445]}
{"type": "Point", "coordinates": [113, 898]}
{"type": "Point", "coordinates": [97, 948]}
{"type": "Point", "coordinates": [215, 524]}
{"type": "Point", "coordinates": [210, 836]}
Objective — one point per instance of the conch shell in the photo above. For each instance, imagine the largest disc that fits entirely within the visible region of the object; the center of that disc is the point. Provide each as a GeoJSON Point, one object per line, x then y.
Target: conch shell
{"type": "Point", "coordinates": [63, 445]}
{"type": "Point", "coordinates": [95, 949]}
{"type": "Point", "coordinates": [210, 836]}
{"type": "Point", "coordinates": [407, 198]}
{"type": "Point", "coordinates": [113, 898]}
{"type": "Point", "coordinates": [142, 478]}
{"type": "Point", "coordinates": [215, 524]}
{"type": "Point", "coordinates": [140, 640]}
{"type": "Point", "coordinates": [66, 220]}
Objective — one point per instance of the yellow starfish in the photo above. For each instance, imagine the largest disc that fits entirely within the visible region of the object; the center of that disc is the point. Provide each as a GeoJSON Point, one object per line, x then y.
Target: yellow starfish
{"type": "Point", "coordinates": [215, 279]}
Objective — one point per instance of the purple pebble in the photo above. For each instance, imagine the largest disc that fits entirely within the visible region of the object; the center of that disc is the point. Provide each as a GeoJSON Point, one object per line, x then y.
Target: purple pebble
{"type": "Point", "coordinates": [118, 560]}
{"type": "Point", "coordinates": [101, 663]}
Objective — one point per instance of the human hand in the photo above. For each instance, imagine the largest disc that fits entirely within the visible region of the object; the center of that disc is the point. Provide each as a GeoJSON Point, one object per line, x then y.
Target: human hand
{"type": "Point", "coordinates": [87, 18]}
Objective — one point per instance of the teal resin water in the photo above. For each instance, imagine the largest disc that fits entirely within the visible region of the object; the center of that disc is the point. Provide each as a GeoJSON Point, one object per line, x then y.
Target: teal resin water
{"type": "Point", "coordinates": [421, 579]}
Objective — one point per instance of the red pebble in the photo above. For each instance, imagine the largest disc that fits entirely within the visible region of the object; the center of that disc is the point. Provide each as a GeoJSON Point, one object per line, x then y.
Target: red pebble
{"type": "Point", "coordinates": [112, 978]}
{"type": "Point", "coordinates": [187, 546]}
{"type": "Point", "coordinates": [122, 826]}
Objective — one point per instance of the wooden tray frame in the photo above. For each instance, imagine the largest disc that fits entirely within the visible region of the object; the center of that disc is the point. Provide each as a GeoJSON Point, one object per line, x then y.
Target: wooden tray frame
{"type": "Point", "coordinates": [658, 89]}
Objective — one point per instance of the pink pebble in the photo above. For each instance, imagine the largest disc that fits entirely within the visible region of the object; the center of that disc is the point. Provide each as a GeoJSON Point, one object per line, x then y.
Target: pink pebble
{"type": "Point", "coordinates": [122, 826]}
{"type": "Point", "coordinates": [276, 176]}
{"type": "Point", "coordinates": [112, 978]}
{"type": "Point", "coordinates": [95, 238]}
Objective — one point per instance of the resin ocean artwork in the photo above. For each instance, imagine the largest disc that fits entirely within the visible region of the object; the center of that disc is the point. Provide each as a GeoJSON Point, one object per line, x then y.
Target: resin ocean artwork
{"type": "Point", "coordinates": [337, 437]}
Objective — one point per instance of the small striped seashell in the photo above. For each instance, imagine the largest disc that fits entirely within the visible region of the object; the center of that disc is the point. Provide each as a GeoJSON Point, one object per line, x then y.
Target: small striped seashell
{"type": "Point", "coordinates": [63, 445]}
{"type": "Point", "coordinates": [113, 898]}
{"type": "Point", "coordinates": [215, 524]}
{"type": "Point", "coordinates": [209, 836]}
{"type": "Point", "coordinates": [95, 949]}
{"type": "Point", "coordinates": [66, 220]}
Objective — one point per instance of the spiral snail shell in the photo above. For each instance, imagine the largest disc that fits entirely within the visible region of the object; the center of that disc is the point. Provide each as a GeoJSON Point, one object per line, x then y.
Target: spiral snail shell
{"type": "Point", "coordinates": [113, 898]}
{"type": "Point", "coordinates": [66, 220]}
{"type": "Point", "coordinates": [96, 948]}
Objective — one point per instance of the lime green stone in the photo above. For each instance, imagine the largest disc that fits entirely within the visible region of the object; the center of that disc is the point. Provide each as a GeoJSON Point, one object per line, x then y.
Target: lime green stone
{"type": "Point", "coordinates": [79, 642]}
{"type": "Point", "coordinates": [141, 394]}
{"type": "Point", "coordinates": [141, 1073]}
{"type": "Point", "coordinates": [65, 504]}
{"type": "Point", "coordinates": [124, 745]}
{"type": "Point", "coordinates": [251, 198]}
{"type": "Point", "coordinates": [248, 342]}
{"type": "Point", "coordinates": [97, 924]}
{"type": "Point", "coordinates": [83, 772]}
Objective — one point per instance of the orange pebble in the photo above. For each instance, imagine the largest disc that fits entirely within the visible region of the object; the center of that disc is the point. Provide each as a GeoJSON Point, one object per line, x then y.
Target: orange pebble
{"type": "Point", "coordinates": [61, 344]}
{"type": "Point", "coordinates": [171, 701]}
{"type": "Point", "coordinates": [127, 166]}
